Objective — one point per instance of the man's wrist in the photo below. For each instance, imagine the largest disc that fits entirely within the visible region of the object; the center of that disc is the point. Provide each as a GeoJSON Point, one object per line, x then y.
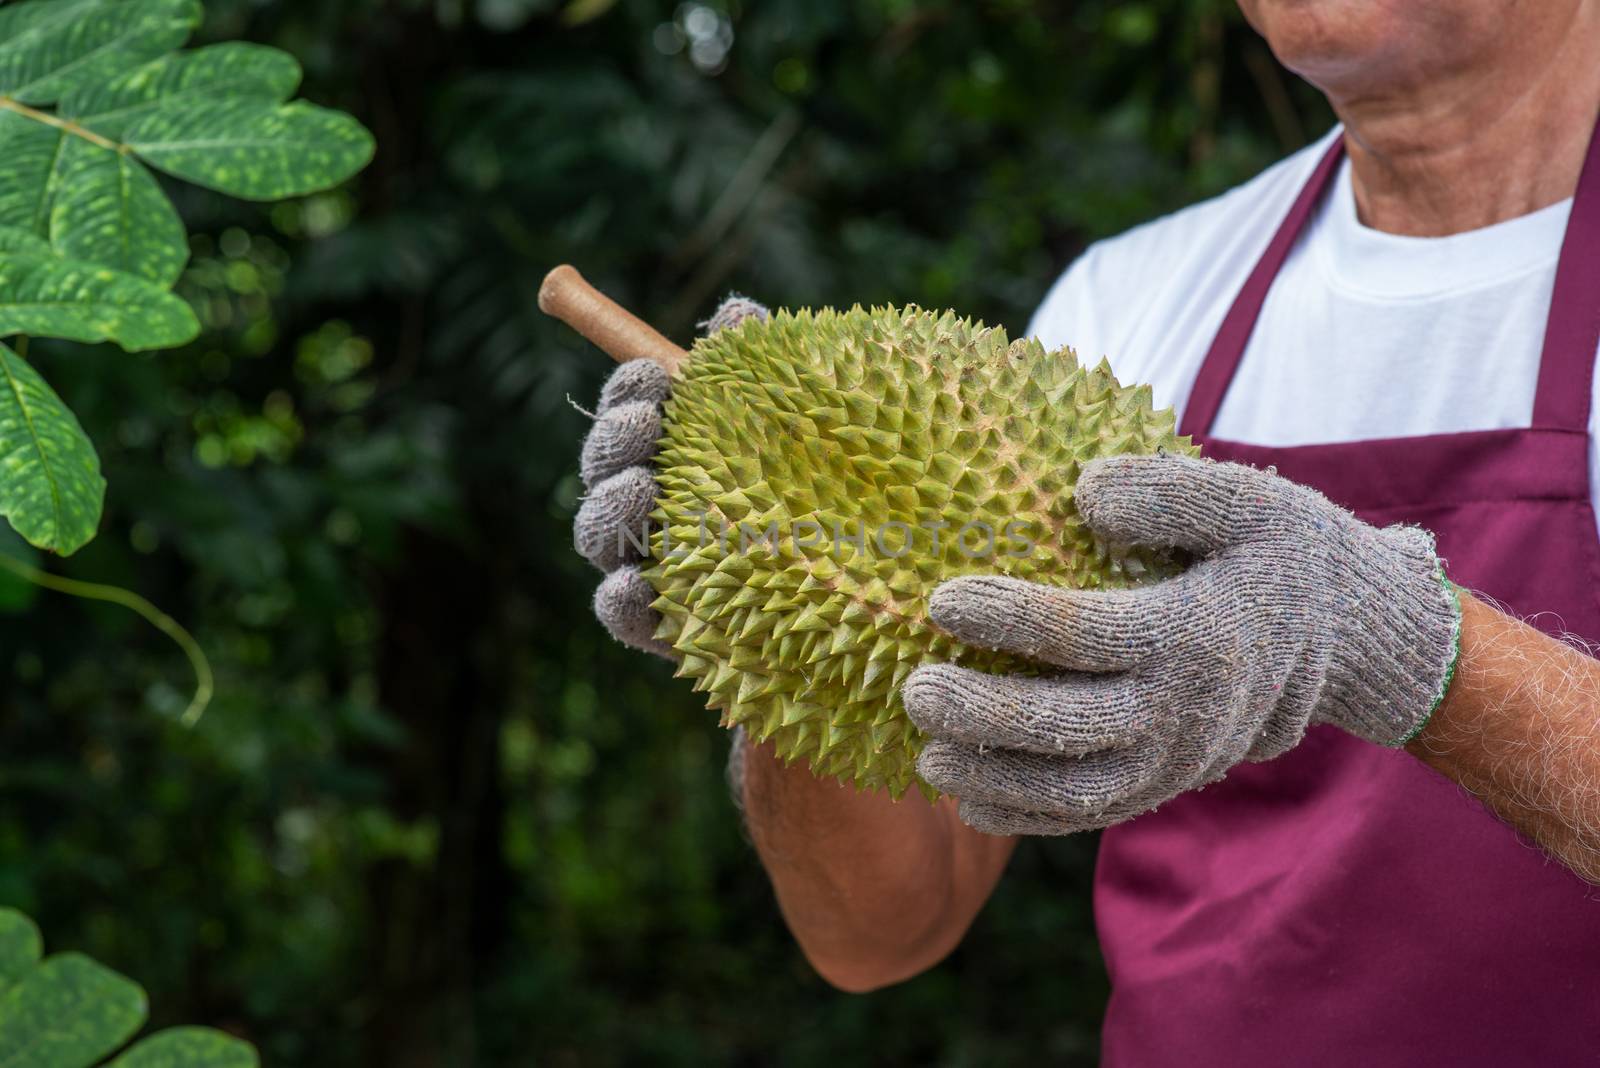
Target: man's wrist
{"type": "Point", "coordinates": [1397, 657]}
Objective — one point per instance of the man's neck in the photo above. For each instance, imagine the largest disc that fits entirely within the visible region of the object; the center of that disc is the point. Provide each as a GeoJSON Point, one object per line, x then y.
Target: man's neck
{"type": "Point", "coordinates": [1471, 149]}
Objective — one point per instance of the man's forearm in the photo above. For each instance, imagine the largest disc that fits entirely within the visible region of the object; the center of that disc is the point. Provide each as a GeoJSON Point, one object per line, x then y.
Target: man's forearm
{"type": "Point", "coordinates": [874, 890]}
{"type": "Point", "coordinates": [1520, 728]}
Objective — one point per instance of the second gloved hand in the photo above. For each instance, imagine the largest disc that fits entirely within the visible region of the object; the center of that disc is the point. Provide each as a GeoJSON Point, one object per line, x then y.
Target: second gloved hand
{"type": "Point", "coordinates": [1295, 612]}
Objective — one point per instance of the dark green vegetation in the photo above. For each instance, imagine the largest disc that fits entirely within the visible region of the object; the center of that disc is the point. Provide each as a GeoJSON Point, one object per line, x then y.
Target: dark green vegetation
{"type": "Point", "coordinates": [434, 817]}
{"type": "Point", "coordinates": [93, 95]}
{"type": "Point", "coordinates": [67, 1011]}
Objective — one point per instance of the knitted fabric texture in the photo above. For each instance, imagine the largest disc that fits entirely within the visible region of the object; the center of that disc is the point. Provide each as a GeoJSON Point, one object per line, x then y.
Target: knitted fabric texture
{"type": "Point", "coordinates": [1294, 612]}
{"type": "Point", "coordinates": [733, 311]}
{"type": "Point", "coordinates": [611, 528]}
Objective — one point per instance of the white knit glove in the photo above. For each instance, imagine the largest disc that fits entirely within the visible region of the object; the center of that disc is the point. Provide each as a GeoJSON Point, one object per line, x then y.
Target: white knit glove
{"type": "Point", "coordinates": [1294, 612]}
{"type": "Point", "coordinates": [621, 488]}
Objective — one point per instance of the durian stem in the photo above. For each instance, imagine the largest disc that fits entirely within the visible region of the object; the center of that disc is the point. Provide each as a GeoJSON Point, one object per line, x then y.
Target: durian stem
{"type": "Point", "coordinates": [623, 335]}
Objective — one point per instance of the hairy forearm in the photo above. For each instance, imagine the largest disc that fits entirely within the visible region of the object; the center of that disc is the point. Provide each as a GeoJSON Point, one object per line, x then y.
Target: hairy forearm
{"type": "Point", "coordinates": [1520, 728]}
{"type": "Point", "coordinates": [874, 890]}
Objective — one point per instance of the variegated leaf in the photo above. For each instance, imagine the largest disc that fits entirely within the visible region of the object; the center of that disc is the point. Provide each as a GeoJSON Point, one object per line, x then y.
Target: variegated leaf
{"type": "Point", "coordinates": [67, 1013]}
{"type": "Point", "coordinates": [231, 69]}
{"type": "Point", "coordinates": [33, 154]}
{"type": "Point", "coordinates": [188, 1047]}
{"type": "Point", "coordinates": [37, 20]}
{"type": "Point", "coordinates": [55, 45]}
{"type": "Point", "coordinates": [251, 149]}
{"type": "Point", "coordinates": [51, 489]}
{"type": "Point", "coordinates": [20, 946]}
{"type": "Point", "coordinates": [52, 297]}
{"type": "Point", "coordinates": [108, 209]}
{"type": "Point", "coordinates": [16, 239]}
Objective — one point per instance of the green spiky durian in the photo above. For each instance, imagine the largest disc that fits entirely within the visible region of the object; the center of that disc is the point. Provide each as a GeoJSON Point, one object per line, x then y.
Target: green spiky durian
{"type": "Point", "coordinates": [852, 436]}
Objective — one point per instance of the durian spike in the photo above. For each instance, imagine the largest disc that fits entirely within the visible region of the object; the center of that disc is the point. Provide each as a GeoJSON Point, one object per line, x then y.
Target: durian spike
{"type": "Point", "coordinates": [623, 335]}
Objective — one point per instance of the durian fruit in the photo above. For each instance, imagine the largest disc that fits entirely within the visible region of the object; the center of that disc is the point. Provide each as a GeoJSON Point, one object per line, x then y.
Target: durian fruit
{"type": "Point", "coordinates": [808, 463]}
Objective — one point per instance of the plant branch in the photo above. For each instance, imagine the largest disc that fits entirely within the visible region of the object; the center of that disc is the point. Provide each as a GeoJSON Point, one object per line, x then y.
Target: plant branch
{"type": "Point", "coordinates": [95, 591]}
{"type": "Point", "coordinates": [741, 190]}
{"type": "Point", "coordinates": [67, 125]}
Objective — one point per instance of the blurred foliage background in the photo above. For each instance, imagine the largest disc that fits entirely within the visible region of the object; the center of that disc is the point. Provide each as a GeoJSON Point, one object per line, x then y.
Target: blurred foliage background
{"type": "Point", "coordinates": [435, 817]}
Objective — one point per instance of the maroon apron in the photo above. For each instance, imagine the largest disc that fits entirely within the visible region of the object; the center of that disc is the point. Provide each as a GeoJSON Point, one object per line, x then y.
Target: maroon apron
{"type": "Point", "coordinates": [1343, 904]}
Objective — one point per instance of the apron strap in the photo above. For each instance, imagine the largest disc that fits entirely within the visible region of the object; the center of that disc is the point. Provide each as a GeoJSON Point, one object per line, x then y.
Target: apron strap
{"type": "Point", "coordinates": [1572, 333]}
{"type": "Point", "coordinates": [1216, 371]}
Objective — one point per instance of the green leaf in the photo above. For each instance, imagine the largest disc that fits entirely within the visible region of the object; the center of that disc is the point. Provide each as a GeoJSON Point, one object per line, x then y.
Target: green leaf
{"type": "Point", "coordinates": [188, 1047]}
{"type": "Point", "coordinates": [232, 69]}
{"type": "Point", "coordinates": [108, 209]}
{"type": "Point", "coordinates": [20, 946]}
{"type": "Point", "coordinates": [54, 45]}
{"type": "Point", "coordinates": [52, 297]}
{"type": "Point", "coordinates": [16, 239]}
{"type": "Point", "coordinates": [67, 1013]}
{"type": "Point", "coordinates": [32, 20]}
{"type": "Point", "coordinates": [33, 154]}
{"type": "Point", "coordinates": [251, 149]}
{"type": "Point", "coordinates": [51, 488]}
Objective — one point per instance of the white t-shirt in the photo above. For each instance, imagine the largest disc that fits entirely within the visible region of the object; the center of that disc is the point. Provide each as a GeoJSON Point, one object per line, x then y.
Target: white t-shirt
{"type": "Point", "coordinates": [1363, 335]}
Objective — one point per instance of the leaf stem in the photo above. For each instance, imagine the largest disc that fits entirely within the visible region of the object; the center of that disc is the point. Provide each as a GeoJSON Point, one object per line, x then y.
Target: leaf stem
{"type": "Point", "coordinates": [94, 591]}
{"type": "Point", "coordinates": [8, 104]}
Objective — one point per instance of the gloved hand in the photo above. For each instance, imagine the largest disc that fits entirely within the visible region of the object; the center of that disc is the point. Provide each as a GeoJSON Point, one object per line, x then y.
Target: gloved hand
{"type": "Point", "coordinates": [621, 488]}
{"type": "Point", "coordinates": [1294, 612]}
